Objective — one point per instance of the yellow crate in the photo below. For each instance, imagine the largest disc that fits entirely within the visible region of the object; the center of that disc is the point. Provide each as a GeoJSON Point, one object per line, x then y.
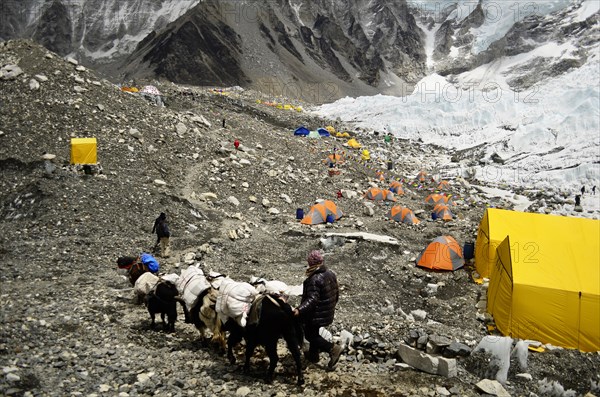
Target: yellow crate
{"type": "Point", "coordinates": [83, 151]}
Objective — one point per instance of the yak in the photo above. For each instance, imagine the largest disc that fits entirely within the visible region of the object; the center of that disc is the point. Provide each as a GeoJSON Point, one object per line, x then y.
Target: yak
{"type": "Point", "coordinates": [163, 300]}
{"type": "Point", "coordinates": [270, 319]}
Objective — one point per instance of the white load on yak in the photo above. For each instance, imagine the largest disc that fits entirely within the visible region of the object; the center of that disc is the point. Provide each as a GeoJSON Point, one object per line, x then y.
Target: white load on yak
{"type": "Point", "coordinates": [143, 285]}
{"type": "Point", "coordinates": [234, 300]}
{"type": "Point", "coordinates": [147, 282]}
{"type": "Point", "coordinates": [275, 287]}
{"type": "Point", "coordinates": [191, 284]}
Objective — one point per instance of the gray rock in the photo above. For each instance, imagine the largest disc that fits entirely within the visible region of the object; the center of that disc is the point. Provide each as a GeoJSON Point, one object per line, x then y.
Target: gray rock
{"type": "Point", "coordinates": [437, 343]}
{"type": "Point", "coordinates": [233, 200]}
{"type": "Point", "coordinates": [181, 128]}
{"type": "Point", "coordinates": [34, 85]}
{"type": "Point", "coordinates": [456, 349]}
{"type": "Point", "coordinates": [492, 387]}
{"type": "Point", "coordinates": [10, 72]}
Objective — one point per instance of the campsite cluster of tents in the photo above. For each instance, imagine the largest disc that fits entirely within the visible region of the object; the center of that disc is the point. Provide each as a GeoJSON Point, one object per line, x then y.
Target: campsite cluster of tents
{"type": "Point", "coordinates": [445, 254]}
{"type": "Point", "coordinates": [148, 92]}
{"type": "Point", "coordinates": [321, 132]}
{"type": "Point", "coordinates": [543, 270]}
{"type": "Point", "coordinates": [282, 106]}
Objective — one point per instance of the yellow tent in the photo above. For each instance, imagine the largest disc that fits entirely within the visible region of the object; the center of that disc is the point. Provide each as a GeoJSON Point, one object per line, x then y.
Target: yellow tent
{"type": "Point", "coordinates": [525, 229]}
{"type": "Point", "coordinates": [353, 143]}
{"type": "Point", "coordinates": [365, 156]}
{"type": "Point", "coordinates": [83, 151]}
{"type": "Point", "coordinates": [546, 286]}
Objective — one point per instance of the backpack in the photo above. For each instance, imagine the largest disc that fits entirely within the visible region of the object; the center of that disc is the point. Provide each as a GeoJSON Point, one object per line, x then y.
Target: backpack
{"type": "Point", "coordinates": [150, 262]}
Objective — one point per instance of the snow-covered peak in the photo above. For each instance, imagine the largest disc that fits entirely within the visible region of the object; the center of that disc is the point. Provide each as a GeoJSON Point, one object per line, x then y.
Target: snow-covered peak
{"type": "Point", "coordinates": [96, 29]}
{"type": "Point", "coordinates": [500, 16]}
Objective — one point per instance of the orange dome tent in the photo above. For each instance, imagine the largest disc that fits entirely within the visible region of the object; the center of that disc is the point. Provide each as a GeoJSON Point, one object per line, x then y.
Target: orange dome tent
{"type": "Point", "coordinates": [318, 213]}
{"type": "Point", "coordinates": [421, 176]}
{"type": "Point", "coordinates": [379, 194]}
{"type": "Point", "coordinates": [442, 211]}
{"type": "Point", "coordinates": [443, 185]}
{"type": "Point", "coordinates": [334, 159]}
{"type": "Point", "coordinates": [443, 253]}
{"type": "Point", "coordinates": [402, 214]}
{"type": "Point", "coordinates": [398, 186]}
{"type": "Point", "coordinates": [434, 198]}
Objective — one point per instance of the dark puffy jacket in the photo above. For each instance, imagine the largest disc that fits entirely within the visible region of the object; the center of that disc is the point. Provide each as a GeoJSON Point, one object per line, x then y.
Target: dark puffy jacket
{"type": "Point", "coordinates": [319, 296]}
{"type": "Point", "coordinates": [161, 227]}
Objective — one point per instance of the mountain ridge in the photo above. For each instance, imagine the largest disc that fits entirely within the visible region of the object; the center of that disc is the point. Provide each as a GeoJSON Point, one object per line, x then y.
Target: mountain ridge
{"type": "Point", "coordinates": [319, 51]}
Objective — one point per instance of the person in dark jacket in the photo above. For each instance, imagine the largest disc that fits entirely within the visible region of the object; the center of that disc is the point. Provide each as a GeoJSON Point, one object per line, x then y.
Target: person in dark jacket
{"type": "Point", "coordinates": [319, 297]}
{"type": "Point", "coordinates": [161, 227]}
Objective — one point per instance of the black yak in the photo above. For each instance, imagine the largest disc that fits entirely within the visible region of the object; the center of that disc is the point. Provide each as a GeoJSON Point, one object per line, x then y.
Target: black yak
{"type": "Point", "coordinates": [270, 319]}
{"type": "Point", "coordinates": [163, 299]}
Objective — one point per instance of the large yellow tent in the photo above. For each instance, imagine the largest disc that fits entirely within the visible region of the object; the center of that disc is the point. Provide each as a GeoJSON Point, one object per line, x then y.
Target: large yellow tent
{"type": "Point", "coordinates": [544, 278]}
{"type": "Point", "coordinates": [551, 295]}
{"type": "Point", "coordinates": [493, 229]}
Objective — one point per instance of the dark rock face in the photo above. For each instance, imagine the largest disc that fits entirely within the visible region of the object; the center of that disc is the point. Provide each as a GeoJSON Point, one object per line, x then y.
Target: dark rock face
{"type": "Point", "coordinates": [443, 40]}
{"type": "Point", "coordinates": [97, 32]}
{"type": "Point", "coordinates": [197, 50]}
{"type": "Point", "coordinates": [54, 29]}
{"type": "Point", "coordinates": [330, 35]}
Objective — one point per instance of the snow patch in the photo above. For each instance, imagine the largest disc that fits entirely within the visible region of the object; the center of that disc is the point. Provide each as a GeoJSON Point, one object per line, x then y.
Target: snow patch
{"type": "Point", "coordinates": [587, 9]}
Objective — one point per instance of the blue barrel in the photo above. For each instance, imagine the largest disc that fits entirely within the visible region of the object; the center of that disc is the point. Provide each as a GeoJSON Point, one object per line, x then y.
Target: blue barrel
{"type": "Point", "coordinates": [433, 216]}
{"type": "Point", "coordinates": [469, 251]}
{"type": "Point", "coordinates": [299, 213]}
{"type": "Point", "coordinates": [330, 218]}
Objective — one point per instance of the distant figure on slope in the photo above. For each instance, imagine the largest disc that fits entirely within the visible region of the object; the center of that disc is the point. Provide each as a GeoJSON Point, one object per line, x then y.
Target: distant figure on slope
{"type": "Point", "coordinates": [236, 143]}
{"type": "Point", "coordinates": [578, 207]}
{"type": "Point", "coordinates": [583, 190]}
{"type": "Point", "coordinates": [161, 227]}
{"type": "Point", "coordinates": [594, 190]}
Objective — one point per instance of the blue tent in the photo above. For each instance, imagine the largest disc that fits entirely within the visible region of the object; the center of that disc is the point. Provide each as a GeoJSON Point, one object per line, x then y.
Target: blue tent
{"type": "Point", "coordinates": [301, 131]}
{"type": "Point", "coordinates": [323, 132]}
